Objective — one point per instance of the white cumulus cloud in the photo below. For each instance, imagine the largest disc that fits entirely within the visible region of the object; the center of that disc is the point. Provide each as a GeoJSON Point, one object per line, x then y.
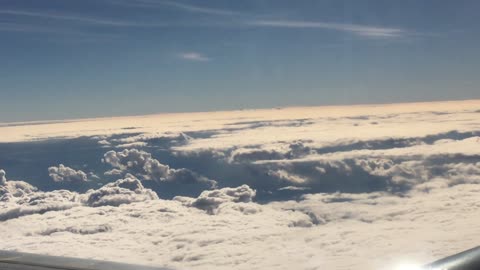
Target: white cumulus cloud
{"type": "Point", "coordinates": [210, 200]}
{"type": "Point", "coordinates": [142, 164]}
{"type": "Point", "coordinates": [66, 174]}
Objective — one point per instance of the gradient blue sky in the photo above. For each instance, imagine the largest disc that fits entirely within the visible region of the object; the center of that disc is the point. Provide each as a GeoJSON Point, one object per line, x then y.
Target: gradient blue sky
{"type": "Point", "coordinates": [84, 58]}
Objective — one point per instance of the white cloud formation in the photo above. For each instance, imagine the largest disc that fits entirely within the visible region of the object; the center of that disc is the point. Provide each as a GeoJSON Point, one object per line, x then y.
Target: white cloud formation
{"type": "Point", "coordinates": [194, 56]}
{"type": "Point", "coordinates": [127, 159]}
{"type": "Point", "coordinates": [64, 17]}
{"type": "Point", "coordinates": [122, 191]}
{"type": "Point", "coordinates": [199, 9]}
{"type": "Point", "coordinates": [285, 175]}
{"type": "Point", "coordinates": [66, 174]}
{"type": "Point", "coordinates": [336, 123]}
{"type": "Point", "coordinates": [363, 178]}
{"type": "Point", "coordinates": [210, 200]}
{"type": "Point", "coordinates": [360, 30]}
{"type": "Point", "coordinates": [141, 164]}
{"type": "Point", "coordinates": [178, 5]}
{"type": "Point", "coordinates": [13, 191]}
{"type": "Point", "coordinates": [18, 198]}
{"type": "Point", "coordinates": [318, 231]}
{"type": "Point", "coordinates": [3, 178]}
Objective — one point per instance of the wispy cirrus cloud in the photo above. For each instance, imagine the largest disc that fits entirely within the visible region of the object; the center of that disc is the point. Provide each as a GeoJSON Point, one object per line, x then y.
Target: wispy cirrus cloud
{"type": "Point", "coordinates": [194, 56]}
{"type": "Point", "coordinates": [15, 27]}
{"type": "Point", "coordinates": [64, 32]}
{"type": "Point", "coordinates": [356, 29]}
{"type": "Point", "coordinates": [200, 9]}
{"type": "Point", "coordinates": [240, 20]}
{"type": "Point", "coordinates": [81, 19]}
{"type": "Point", "coordinates": [74, 18]}
{"type": "Point", "coordinates": [175, 4]}
{"type": "Point", "coordinates": [368, 31]}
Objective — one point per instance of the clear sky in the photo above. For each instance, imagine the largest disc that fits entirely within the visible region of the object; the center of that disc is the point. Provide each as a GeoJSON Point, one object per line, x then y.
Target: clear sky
{"type": "Point", "coordinates": [84, 58]}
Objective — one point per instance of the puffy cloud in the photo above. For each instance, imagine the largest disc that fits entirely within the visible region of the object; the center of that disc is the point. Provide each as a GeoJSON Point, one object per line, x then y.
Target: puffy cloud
{"type": "Point", "coordinates": [187, 237]}
{"type": "Point", "coordinates": [276, 151]}
{"type": "Point", "coordinates": [122, 191]}
{"type": "Point", "coordinates": [186, 176]}
{"type": "Point", "coordinates": [104, 143]}
{"type": "Point", "coordinates": [131, 159]}
{"type": "Point", "coordinates": [210, 200]}
{"type": "Point", "coordinates": [317, 231]}
{"type": "Point", "coordinates": [18, 198]}
{"type": "Point", "coordinates": [350, 172]}
{"type": "Point", "coordinates": [66, 174]}
{"type": "Point", "coordinates": [461, 173]}
{"type": "Point", "coordinates": [143, 165]}
{"type": "Point", "coordinates": [13, 190]}
{"type": "Point", "coordinates": [398, 176]}
{"type": "Point", "coordinates": [25, 201]}
{"type": "Point", "coordinates": [418, 173]}
{"type": "Point", "coordinates": [299, 149]}
{"type": "Point", "coordinates": [285, 175]}
{"type": "Point", "coordinates": [114, 172]}
{"type": "Point", "coordinates": [332, 223]}
{"type": "Point", "coordinates": [155, 170]}
{"type": "Point", "coordinates": [324, 183]}
{"type": "Point", "coordinates": [3, 178]}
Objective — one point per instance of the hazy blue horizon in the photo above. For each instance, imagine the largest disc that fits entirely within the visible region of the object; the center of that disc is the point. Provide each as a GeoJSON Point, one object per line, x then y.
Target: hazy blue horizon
{"type": "Point", "coordinates": [74, 118]}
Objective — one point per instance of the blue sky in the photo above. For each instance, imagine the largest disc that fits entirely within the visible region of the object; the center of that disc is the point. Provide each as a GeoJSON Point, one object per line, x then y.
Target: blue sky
{"type": "Point", "coordinates": [85, 58]}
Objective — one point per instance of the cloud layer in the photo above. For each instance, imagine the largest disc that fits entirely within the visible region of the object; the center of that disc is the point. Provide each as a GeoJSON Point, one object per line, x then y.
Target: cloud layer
{"type": "Point", "coordinates": [304, 188]}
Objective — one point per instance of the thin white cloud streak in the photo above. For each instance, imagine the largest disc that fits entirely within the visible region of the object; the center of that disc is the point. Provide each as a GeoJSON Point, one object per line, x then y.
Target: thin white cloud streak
{"type": "Point", "coordinates": [63, 31]}
{"type": "Point", "coordinates": [63, 17]}
{"type": "Point", "coordinates": [356, 29]}
{"type": "Point", "coordinates": [79, 19]}
{"type": "Point", "coordinates": [177, 5]}
{"type": "Point", "coordinates": [15, 27]}
{"type": "Point", "coordinates": [360, 30]}
{"type": "Point", "coordinates": [199, 9]}
{"type": "Point", "coordinates": [194, 56]}
{"type": "Point", "coordinates": [24, 26]}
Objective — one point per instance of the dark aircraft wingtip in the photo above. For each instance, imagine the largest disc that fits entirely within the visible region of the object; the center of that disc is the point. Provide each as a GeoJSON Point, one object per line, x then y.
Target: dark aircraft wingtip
{"type": "Point", "coordinates": [10, 260]}
{"type": "Point", "coordinates": [465, 260]}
